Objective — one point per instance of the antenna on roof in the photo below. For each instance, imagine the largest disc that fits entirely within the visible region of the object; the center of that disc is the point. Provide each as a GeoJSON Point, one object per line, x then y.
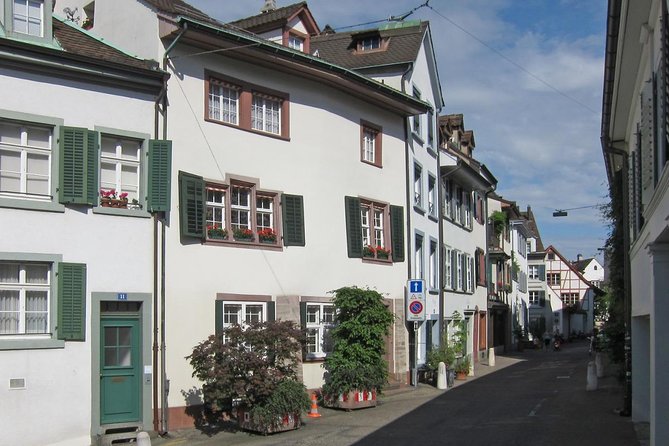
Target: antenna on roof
{"type": "Point", "coordinates": [270, 5]}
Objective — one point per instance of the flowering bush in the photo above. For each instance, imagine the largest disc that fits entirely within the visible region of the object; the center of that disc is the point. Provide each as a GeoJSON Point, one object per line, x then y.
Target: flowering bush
{"type": "Point", "coordinates": [267, 235]}
{"type": "Point", "coordinates": [213, 231]}
{"type": "Point", "coordinates": [242, 234]}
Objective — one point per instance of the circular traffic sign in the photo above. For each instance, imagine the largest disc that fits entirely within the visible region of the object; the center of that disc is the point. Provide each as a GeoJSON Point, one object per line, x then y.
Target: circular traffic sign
{"type": "Point", "coordinates": [416, 307]}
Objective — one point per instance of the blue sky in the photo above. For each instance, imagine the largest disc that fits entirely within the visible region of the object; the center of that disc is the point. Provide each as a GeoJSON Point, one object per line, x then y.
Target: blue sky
{"type": "Point", "coordinates": [541, 144]}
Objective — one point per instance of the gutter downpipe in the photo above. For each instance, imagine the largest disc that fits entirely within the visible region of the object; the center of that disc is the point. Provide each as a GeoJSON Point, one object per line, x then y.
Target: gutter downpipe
{"type": "Point", "coordinates": [161, 424]}
{"type": "Point", "coordinates": [488, 267]}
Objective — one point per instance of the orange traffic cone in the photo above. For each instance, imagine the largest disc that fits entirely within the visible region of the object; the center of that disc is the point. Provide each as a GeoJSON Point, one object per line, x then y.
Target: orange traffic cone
{"type": "Point", "coordinates": [313, 413]}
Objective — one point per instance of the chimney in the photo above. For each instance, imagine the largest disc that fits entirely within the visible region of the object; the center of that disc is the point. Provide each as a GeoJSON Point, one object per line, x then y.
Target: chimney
{"type": "Point", "coordinates": [270, 5]}
{"type": "Point", "coordinates": [579, 257]}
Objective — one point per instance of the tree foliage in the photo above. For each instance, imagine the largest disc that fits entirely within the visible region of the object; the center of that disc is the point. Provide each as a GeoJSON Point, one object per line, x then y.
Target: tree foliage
{"type": "Point", "coordinates": [611, 308]}
{"type": "Point", "coordinates": [356, 362]}
{"type": "Point", "coordinates": [250, 365]}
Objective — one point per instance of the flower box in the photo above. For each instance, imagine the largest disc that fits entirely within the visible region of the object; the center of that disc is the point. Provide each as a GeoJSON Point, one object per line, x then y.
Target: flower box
{"type": "Point", "coordinates": [243, 235]}
{"type": "Point", "coordinates": [286, 423]}
{"type": "Point", "coordinates": [267, 236]}
{"type": "Point", "coordinates": [113, 203]}
{"type": "Point", "coordinates": [353, 400]}
{"type": "Point", "coordinates": [216, 233]}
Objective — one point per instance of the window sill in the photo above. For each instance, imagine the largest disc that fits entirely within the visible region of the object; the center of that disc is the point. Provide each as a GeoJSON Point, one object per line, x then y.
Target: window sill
{"type": "Point", "coordinates": [250, 130]}
{"type": "Point", "coordinates": [431, 151]}
{"type": "Point", "coordinates": [24, 343]}
{"type": "Point", "coordinates": [31, 205]}
{"type": "Point", "coordinates": [243, 244]}
{"type": "Point", "coordinates": [419, 139]}
{"type": "Point", "coordinates": [433, 291]}
{"type": "Point", "coordinates": [314, 359]}
{"type": "Point", "coordinates": [372, 164]}
{"type": "Point", "coordinates": [419, 209]}
{"type": "Point", "coordinates": [137, 213]}
{"type": "Point", "coordinates": [468, 293]}
{"type": "Point", "coordinates": [433, 217]}
{"type": "Point", "coordinates": [378, 261]}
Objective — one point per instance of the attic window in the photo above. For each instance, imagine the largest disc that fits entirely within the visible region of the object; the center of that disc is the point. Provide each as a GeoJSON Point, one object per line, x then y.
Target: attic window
{"type": "Point", "coordinates": [29, 17]}
{"type": "Point", "coordinates": [370, 43]}
{"type": "Point", "coordinates": [295, 42]}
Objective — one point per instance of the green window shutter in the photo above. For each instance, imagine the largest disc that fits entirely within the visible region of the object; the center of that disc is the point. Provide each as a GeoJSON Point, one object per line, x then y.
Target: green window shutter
{"type": "Point", "coordinates": [303, 314]}
{"type": "Point", "coordinates": [160, 171]}
{"type": "Point", "coordinates": [191, 205]}
{"type": "Point", "coordinates": [92, 150]}
{"type": "Point", "coordinates": [218, 314]}
{"type": "Point", "coordinates": [271, 311]}
{"type": "Point", "coordinates": [454, 269]}
{"type": "Point", "coordinates": [542, 272]}
{"type": "Point", "coordinates": [542, 298]}
{"type": "Point", "coordinates": [73, 165]}
{"type": "Point", "coordinates": [72, 301]}
{"type": "Point", "coordinates": [397, 232]}
{"type": "Point", "coordinates": [292, 208]}
{"type": "Point", "coordinates": [353, 227]}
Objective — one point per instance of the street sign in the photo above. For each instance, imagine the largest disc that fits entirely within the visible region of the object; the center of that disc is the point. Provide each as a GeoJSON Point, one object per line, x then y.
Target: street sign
{"type": "Point", "coordinates": [122, 296]}
{"type": "Point", "coordinates": [415, 301]}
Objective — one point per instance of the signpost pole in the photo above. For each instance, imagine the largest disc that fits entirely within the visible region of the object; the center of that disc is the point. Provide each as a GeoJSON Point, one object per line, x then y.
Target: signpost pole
{"type": "Point", "coordinates": [415, 312]}
{"type": "Point", "coordinates": [415, 354]}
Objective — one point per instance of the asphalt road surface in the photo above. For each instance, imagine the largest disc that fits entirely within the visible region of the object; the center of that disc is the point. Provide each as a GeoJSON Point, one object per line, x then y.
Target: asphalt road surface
{"type": "Point", "coordinates": [536, 398]}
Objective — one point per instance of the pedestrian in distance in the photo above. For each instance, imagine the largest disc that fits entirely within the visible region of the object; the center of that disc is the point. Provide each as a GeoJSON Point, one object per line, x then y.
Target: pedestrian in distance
{"type": "Point", "coordinates": [547, 340]}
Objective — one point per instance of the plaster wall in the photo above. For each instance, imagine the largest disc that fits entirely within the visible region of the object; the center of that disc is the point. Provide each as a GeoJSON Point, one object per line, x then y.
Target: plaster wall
{"type": "Point", "coordinates": [116, 250]}
{"type": "Point", "coordinates": [321, 161]}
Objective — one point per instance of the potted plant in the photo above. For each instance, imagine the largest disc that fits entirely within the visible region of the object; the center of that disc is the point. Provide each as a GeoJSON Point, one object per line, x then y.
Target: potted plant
{"type": "Point", "coordinates": [499, 221]}
{"type": "Point", "coordinates": [242, 234]}
{"type": "Point", "coordinates": [87, 24]}
{"type": "Point", "coordinates": [267, 235]}
{"type": "Point", "coordinates": [355, 370]}
{"type": "Point", "coordinates": [251, 373]}
{"type": "Point", "coordinates": [110, 199]}
{"type": "Point", "coordinates": [445, 353]}
{"type": "Point", "coordinates": [462, 368]}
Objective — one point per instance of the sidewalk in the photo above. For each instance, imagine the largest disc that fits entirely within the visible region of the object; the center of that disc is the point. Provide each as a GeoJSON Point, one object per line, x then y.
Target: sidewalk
{"type": "Point", "coordinates": [392, 405]}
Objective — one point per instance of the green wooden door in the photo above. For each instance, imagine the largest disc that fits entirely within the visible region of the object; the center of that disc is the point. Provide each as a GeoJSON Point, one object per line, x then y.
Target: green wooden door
{"type": "Point", "coordinates": [120, 370]}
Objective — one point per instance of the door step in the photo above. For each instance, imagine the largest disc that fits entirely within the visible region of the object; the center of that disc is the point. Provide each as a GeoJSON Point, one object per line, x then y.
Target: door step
{"type": "Point", "coordinates": [119, 434]}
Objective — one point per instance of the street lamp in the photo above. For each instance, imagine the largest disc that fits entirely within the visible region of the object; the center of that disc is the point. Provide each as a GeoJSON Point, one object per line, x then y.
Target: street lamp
{"type": "Point", "coordinates": [563, 212]}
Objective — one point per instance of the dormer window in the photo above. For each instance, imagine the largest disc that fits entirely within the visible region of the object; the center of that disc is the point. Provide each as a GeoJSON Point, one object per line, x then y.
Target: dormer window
{"type": "Point", "coordinates": [29, 17]}
{"type": "Point", "coordinates": [370, 43]}
{"type": "Point", "coordinates": [296, 43]}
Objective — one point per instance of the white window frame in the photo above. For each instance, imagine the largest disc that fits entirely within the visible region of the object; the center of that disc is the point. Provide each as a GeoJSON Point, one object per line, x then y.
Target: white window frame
{"type": "Point", "coordinates": [28, 18]}
{"type": "Point", "coordinates": [419, 262]}
{"type": "Point", "coordinates": [417, 127]}
{"type": "Point", "coordinates": [240, 209]}
{"type": "Point", "coordinates": [242, 312]}
{"type": "Point", "coordinates": [432, 195]}
{"type": "Point", "coordinates": [448, 188]}
{"type": "Point", "coordinates": [119, 161]}
{"type": "Point", "coordinates": [467, 205]}
{"type": "Point", "coordinates": [262, 211]}
{"type": "Point", "coordinates": [533, 272]}
{"type": "Point", "coordinates": [24, 149]}
{"type": "Point", "coordinates": [470, 275]}
{"type": "Point", "coordinates": [448, 274]}
{"type": "Point", "coordinates": [433, 266]}
{"type": "Point", "coordinates": [458, 205]}
{"type": "Point", "coordinates": [224, 102]}
{"type": "Point", "coordinates": [295, 42]}
{"type": "Point", "coordinates": [553, 276]}
{"type": "Point", "coordinates": [369, 144]}
{"type": "Point", "coordinates": [321, 328]}
{"type": "Point", "coordinates": [266, 113]}
{"type": "Point", "coordinates": [570, 298]}
{"type": "Point", "coordinates": [459, 272]}
{"type": "Point", "coordinates": [533, 297]}
{"type": "Point", "coordinates": [370, 43]}
{"type": "Point", "coordinates": [23, 287]}
{"type": "Point", "coordinates": [418, 185]}
{"type": "Point", "coordinates": [217, 207]}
